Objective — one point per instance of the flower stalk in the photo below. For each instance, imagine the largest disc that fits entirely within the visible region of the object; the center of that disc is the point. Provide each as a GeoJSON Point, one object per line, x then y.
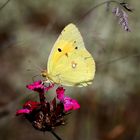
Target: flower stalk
{"type": "Point", "coordinates": [55, 135]}
{"type": "Point", "coordinates": [123, 8]}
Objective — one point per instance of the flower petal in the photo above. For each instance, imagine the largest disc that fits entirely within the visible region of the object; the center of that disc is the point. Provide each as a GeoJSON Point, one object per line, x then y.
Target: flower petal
{"type": "Point", "coordinates": [46, 88]}
{"type": "Point", "coordinates": [35, 85]}
{"type": "Point", "coordinates": [60, 93]}
{"type": "Point", "coordinates": [31, 105]}
{"type": "Point", "coordinates": [23, 111]}
{"type": "Point", "coordinates": [39, 86]}
{"type": "Point", "coordinates": [70, 104]}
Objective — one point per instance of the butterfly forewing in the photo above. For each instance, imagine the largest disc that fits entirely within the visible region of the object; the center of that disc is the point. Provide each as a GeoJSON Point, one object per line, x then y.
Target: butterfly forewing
{"type": "Point", "coordinates": [69, 62]}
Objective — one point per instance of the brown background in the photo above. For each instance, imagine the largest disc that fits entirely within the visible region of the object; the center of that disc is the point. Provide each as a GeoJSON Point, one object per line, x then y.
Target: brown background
{"type": "Point", "coordinates": [110, 107]}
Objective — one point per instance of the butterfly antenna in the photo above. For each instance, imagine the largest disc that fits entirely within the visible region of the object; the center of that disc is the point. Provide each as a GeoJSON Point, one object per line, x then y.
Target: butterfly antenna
{"type": "Point", "coordinates": [33, 78]}
{"type": "Point", "coordinates": [39, 69]}
{"type": "Point", "coordinates": [117, 59]}
{"type": "Point", "coordinates": [36, 66]}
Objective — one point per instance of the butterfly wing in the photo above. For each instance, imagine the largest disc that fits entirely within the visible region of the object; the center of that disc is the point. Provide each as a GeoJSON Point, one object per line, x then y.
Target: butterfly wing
{"type": "Point", "coordinates": [69, 62]}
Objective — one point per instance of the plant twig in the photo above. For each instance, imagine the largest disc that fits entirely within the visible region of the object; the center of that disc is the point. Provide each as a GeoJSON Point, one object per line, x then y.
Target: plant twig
{"type": "Point", "coordinates": [98, 5]}
{"type": "Point", "coordinates": [117, 59]}
{"type": "Point", "coordinates": [4, 4]}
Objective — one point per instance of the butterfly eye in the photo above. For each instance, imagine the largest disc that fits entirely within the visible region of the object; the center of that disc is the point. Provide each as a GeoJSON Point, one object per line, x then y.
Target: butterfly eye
{"type": "Point", "coordinates": [59, 50]}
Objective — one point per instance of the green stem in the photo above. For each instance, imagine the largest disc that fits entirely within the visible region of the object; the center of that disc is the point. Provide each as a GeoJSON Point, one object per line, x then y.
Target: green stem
{"type": "Point", "coordinates": [57, 137]}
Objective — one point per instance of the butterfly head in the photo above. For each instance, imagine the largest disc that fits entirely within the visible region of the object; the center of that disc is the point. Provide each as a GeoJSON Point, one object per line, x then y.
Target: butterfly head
{"type": "Point", "coordinates": [44, 73]}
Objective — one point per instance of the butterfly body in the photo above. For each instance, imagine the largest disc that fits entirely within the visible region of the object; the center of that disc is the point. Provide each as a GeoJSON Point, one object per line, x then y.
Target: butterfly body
{"type": "Point", "coordinates": [70, 63]}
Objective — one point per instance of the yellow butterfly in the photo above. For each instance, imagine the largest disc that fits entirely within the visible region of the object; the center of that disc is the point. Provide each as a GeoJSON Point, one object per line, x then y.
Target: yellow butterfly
{"type": "Point", "coordinates": [69, 62]}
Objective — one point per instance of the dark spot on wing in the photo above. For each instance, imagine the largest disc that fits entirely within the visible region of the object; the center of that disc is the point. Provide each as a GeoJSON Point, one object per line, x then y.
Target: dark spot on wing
{"type": "Point", "coordinates": [59, 50]}
{"type": "Point", "coordinates": [66, 54]}
{"type": "Point", "coordinates": [74, 41]}
{"type": "Point", "coordinates": [76, 47]}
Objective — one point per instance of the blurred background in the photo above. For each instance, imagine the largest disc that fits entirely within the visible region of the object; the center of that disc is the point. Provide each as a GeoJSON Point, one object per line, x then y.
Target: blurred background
{"type": "Point", "coordinates": [110, 107]}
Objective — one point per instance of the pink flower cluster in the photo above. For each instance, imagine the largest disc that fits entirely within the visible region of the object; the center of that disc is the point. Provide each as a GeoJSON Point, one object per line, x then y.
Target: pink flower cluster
{"type": "Point", "coordinates": [45, 115]}
{"type": "Point", "coordinates": [38, 86]}
{"type": "Point", "coordinates": [69, 103]}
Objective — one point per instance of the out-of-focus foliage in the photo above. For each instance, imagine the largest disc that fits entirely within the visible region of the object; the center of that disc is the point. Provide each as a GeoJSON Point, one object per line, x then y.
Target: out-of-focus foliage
{"type": "Point", "coordinates": [110, 106]}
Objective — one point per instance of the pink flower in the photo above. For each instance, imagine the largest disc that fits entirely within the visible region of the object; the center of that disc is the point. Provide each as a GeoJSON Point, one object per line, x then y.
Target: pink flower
{"type": "Point", "coordinates": [69, 103]}
{"type": "Point", "coordinates": [28, 107]}
{"type": "Point", "coordinates": [31, 105]}
{"type": "Point", "coordinates": [22, 111]}
{"type": "Point", "coordinates": [60, 93]}
{"type": "Point", "coordinates": [44, 115]}
{"type": "Point", "coordinates": [39, 86]}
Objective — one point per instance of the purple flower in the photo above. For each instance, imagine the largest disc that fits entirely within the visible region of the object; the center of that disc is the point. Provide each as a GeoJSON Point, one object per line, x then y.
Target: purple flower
{"type": "Point", "coordinates": [69, 103]}
{"type": "Point", "coordinates": [123, 18]}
